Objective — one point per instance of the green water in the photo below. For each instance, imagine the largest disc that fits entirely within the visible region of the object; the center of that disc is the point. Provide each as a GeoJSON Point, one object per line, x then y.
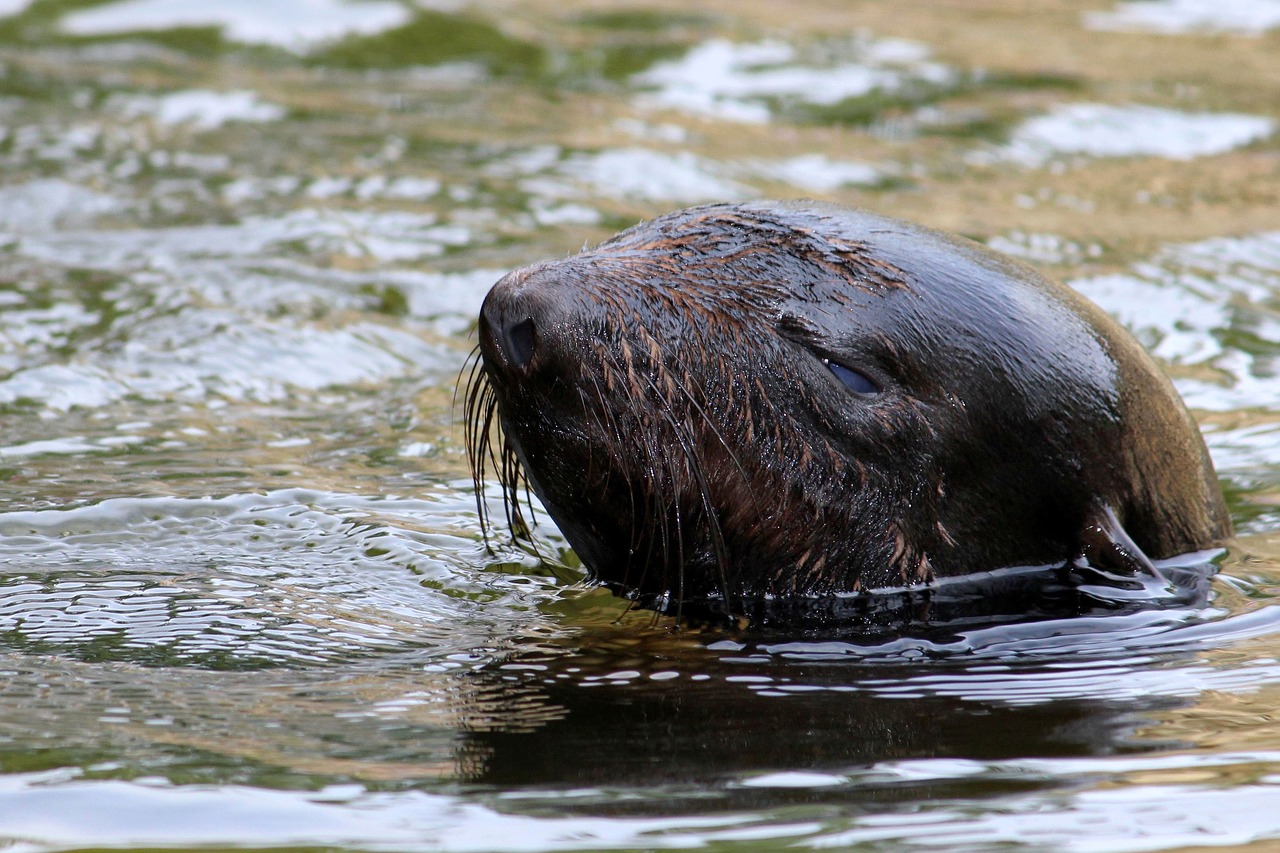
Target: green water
{"type": "Point", "coordinates": [244, 597]}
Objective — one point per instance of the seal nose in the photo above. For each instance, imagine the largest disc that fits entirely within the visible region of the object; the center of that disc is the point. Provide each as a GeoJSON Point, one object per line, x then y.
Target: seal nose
{"type": "Point", "coordinates": [518, 341]}
{"type": "Point", "coordinates": [516, 312]}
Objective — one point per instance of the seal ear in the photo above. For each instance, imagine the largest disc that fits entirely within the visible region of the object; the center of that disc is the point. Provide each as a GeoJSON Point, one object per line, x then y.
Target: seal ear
{"type": "Point", "coordinates": [1107, 546]}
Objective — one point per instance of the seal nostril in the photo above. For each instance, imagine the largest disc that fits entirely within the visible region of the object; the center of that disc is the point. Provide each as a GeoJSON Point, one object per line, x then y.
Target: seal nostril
{"type": "Point", "coordinates": [521, 339]}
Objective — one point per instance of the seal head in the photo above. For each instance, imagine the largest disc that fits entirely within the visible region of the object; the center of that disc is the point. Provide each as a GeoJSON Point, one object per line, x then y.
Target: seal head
{"type": "Point", "coordinates": [779, 399]}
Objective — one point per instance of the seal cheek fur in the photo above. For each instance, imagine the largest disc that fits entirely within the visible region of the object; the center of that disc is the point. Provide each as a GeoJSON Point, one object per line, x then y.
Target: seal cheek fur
{"type": "Point", "coordinates": [781, 399]}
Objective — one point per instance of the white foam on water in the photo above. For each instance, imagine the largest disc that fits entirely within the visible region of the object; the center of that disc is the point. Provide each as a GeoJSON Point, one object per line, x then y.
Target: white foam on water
{"type": "Point", "coordinates": [241, 190]}
{"type": "Point", "coordinates": [200, 108]}
{"type": "Point", "coordinates": [1117, 819]}
{"type": "Point", "coordinates": [641, 173]}
{"type": "Point", "coordinates": [1244, 448]}
{"type": "Point", "coordinates": [223, 355]}
{"type": "Point", "coordinates": [725, 80]}
{"type": "Point", "coordinates": [31, 333]}
{"type": "Point", "coordinates": [569, 213]}
{"type": "Point", "coordinates": [234, 320]}
{"type": "Point", "coordinates": [235, 309]}
{"type": "Point", "coordinates": [72, 444]}
{"type": "Point", "coordinates": [293, 575]}
{"type": "Point", "coordinates": [795, 779]}
{"type": "Point", "coordinates": [13, 7]}
{"type": "Point", "coordinates": [666, 132]}
{"type": "Point", "coordinates": [1042, 248]}
{"type": "Point", "coordinates": [48, 202]}
{"type": "Point", "coordinates": [1104, 130]}
{"type": "Point", "coordinates": [431, 295]}
{"type": "Point", "coordinates": [1116, 682]}
{"type": "Point", "coordinates": [1179, 17]}
{"type": "Point", "coordinates": [1183, 303]}
{"type": "Point", "coordinates": [297, 25]}
{"type": "Point", "coordinates": [818, 173]}
{"type": "Point", "coordinates": [384, 236]}
{"type": "Point", "coordinates": [1248, 380]}
{"type": "Point", "coordinates": [524, 162]}
{"type": "Point", "coordinates": [1174, 323]}
{"type": "Point", "coordinates": [73, 142]}
{"type": "Point", "coordinates": [57, 812]}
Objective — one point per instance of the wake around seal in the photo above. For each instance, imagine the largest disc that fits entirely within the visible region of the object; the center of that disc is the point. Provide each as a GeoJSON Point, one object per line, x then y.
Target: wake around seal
{"type": "Point", "coordinates": [783, 399]}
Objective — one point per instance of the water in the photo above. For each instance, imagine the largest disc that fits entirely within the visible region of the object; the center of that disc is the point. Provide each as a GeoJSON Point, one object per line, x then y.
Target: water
{"type": "Point", "coordinates": [244, 597]}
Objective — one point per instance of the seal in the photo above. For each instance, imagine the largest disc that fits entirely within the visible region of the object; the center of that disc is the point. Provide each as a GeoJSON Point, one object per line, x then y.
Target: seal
{"type": "Point", "coordinates": [782, 399]}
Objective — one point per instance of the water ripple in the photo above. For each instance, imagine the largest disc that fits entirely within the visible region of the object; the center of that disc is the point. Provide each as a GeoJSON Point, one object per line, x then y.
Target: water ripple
{"type": "Point", "coordinates": [51, 811]}
{"type": "Point", "coordinates": [292, 577]}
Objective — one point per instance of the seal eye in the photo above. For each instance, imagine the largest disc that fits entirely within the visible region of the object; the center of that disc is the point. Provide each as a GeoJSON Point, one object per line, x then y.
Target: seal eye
{"type": "Point", "coordinates": [855, 381]}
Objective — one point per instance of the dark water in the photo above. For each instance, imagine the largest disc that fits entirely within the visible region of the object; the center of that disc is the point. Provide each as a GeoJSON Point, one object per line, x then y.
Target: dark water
{"type": "Point", "coordinates": [244, 600]}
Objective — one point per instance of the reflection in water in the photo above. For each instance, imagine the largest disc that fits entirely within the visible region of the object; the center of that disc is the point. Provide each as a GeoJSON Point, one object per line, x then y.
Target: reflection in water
{"type": "Point", "coordinates": [244, 598]}
{"type": "Point", "coordinates": [686, 709]}
{"type": "Point", "coordinates": [620, 733]}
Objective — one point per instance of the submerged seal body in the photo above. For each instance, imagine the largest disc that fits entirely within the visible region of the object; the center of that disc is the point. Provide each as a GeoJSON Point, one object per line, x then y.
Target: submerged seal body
{"type": "Point", "coordinates": [781, 399]}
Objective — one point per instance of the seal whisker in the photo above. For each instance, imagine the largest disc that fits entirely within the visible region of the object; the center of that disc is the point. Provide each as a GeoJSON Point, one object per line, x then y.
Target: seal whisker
{"type": "Point", "coordinates": [512, 478]}
{"type": "Point", "coordinates": [649, 532]}
{"type": "Point", "coordinates": [710, 424]}
{"type": "Point", "coordinates": [605, 419]}
{"type": "Point", "coordinates": [472, 365]}
{"type": "Point", "coordinates": [481, 409]}
{"type": "Point", "coordinates": [659, 515]}
{"type": "Point", "coordinates": [481, 416]}
{"type": "Point", "coordinates": [694, 466]}
{"type": "Point", "coordinates": [666, 515]}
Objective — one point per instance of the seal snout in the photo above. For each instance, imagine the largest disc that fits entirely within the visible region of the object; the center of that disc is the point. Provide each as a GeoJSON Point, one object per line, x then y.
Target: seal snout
{"type": "Point", "coordinates": [516, 316]}
{"type": "Point", "coordinates": [508, 341]}
{"type": "Point", "coordinates": [519, 341]}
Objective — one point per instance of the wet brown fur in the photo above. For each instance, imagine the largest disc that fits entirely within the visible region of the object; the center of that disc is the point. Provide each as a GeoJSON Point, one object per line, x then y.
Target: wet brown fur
{"type": "Point", "coordinates": [677, 425]}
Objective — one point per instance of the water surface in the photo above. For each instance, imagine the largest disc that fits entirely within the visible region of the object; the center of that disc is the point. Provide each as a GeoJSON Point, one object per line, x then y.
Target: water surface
{"type": "Point", "coordinates": [245, 601]}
